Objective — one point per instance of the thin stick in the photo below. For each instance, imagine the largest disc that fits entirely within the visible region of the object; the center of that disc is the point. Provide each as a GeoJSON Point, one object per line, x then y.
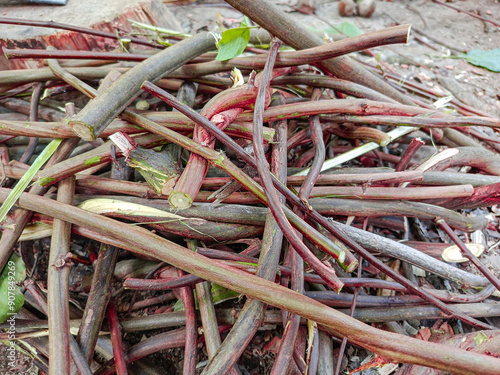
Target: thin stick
{"type": "Point", "coordinates": [83, 30]}
{"type": "Point", "coordinates": [351, 313]}
{"type": "Point", "coordinates": [267, 184]}
{"type": "Point", "coordinates": [116, 339]}
{"type": "Point", "coordinates": [468, 254]}
{"type": "Point", "coordinates": [58, 281]}
{"type": "Point", "coordinates": [468, 13]}
{"type": "Point", "coordinates": [100, 290]}
{"type": "Point", "coordinates": [70, 54]}
{"type": "Point", "coordinates": [392, 35]}
{"type": "Point", "coordinates": [186, 293]}
{"type": "Point", "coordinates": [76, 353]}
{"type": "Point", "coordinates": [35, 99]}
{"type": "Point", "coordinates": [297, 278]}
{"type": "Point", "coordinates": [253, 311]}
{"type": "Point", "coordinates": [413, 147]}
{"type": "Point", "coordinates": [95, 309]}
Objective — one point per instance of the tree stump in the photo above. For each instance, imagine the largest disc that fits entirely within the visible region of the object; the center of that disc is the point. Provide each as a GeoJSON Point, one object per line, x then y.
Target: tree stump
{"type": "Point", "coordinates": [110, 16]}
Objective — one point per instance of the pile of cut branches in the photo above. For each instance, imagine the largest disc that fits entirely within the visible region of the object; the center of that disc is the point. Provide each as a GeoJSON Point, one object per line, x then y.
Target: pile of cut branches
{"type": "Point", "coordinates": [184, 179]}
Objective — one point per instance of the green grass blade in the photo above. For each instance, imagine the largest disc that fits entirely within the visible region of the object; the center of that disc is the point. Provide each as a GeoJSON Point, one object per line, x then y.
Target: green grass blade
{"type": "Point", "coordinates": [27, 177]}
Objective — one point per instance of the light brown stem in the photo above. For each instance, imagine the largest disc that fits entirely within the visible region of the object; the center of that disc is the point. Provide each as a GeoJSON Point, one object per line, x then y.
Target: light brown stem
{"type": "Point", "coordinates": [58, 279]}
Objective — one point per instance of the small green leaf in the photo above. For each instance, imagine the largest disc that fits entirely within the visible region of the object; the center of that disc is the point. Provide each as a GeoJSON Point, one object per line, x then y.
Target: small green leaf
{"type": "Point", "coordinates": [245, 22]}
{"type": "Point", "coordinates": [346, 28]}
{"type": "Point", "coordinates": [46, 180]}
{"type": "Point", "coordinates": [233, 43]}
{"type": "Point", "coordinates": [485, 59]}
{"type": "Point", "coordinates": [93, 160]}
{"type": "Point", "coordinates": [349, 29]}
{"type": "Point", "coordinates": [480, 338]}
{"type": "Point", "coordinates": [219, 295]}
{"type": "Point", "coordinates": [27, 177]}
{"type": "Point", "coordinates": [11, 298]}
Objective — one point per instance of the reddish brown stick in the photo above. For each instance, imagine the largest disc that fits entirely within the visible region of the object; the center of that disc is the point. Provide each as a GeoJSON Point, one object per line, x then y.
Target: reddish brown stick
{"type": "Point", "coordinates": [116, 339]}
{"type": "Point", "coordinates": [468, 254]}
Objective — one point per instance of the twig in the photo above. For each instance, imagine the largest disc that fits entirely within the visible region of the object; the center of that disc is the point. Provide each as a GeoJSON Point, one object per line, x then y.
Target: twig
{"type": "Point", "coordinates": [100, 290]}
{"type": "Point", "coordinates": [350, 207]}
{"type": "Point", "coordinates": [391, 35]}
{"type": "Point", "coordinates": [289, 337]}
{"type": "Point", "coordinates": [82, 30]}
{"type": "Point", "coordinates": [253, 311]}
{"type": "Point", "coordinates": [483, 196]}
{"type": "Point", "coordinates": [76, 353]}
{"type": "Point", "coordinates": [468, 13]}
{"type": "Point", "coordinates": [351, 313]}
{"type": "Point", "coordinates": [177, 122]}
{"type": "Point", "coordinates": [324, 81]}
{"type": "Point", "coordinates": [58, 280]}
{"type": "Point", "coordinates": [413, 147]}
{"type": "Point", "coordinates": [35, 99]}
{"type": "Point", "coordinates": [96, 116]}
{"type": "Point", "coordinates": [97, 302]}
{"type": "Point", "coordinates": [116, 339]}
{"type": "Point", "coordinates": [186, 293]}
{"type": "Point", "coordinates": [267, 184]}
{"type": "Point", "coordinates": [468, 254]}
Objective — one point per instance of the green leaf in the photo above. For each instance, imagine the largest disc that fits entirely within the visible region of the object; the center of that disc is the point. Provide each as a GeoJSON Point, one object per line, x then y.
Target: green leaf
{"type": "Point", "coordinates": [46, 180]}
{"type": "Point", "coordinates": [480, 338]}
{"type": "Point", "coordinates": [93, 160]}
{"type": "Point", "coordinates": [219, 295]}
{"type": "Point", "coordinates": [349, 29]}
{"type": "Point", "coordinates": [346, 28]}
{"type": "Point", "coordinates": [11, 298]}
{"type": "Point", "coordinates": [27, 177]}
{"type": "Point", "coordinates": [485, 59]}
{"type": "Point", "coordinates": [245, 22]}
{"type": "Point", "coordinates": [233, 43]}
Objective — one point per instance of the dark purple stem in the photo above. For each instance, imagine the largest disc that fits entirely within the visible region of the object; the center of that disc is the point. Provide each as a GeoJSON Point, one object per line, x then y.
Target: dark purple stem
{"type": "Point", "coordinates": [468, 254]}
{"type": "Point", "coordinates": [351, 313]}
{"type": "Point", "coordinates": [116, 339]}
{"type": "Point", "coordinates": [35, 99]}
{"type": "Point", "coordinates": [410, 151]}
{"type": "Point", "coordinates": [267, 183]}
{"type": "Point", "coordinates": [189, 367]}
